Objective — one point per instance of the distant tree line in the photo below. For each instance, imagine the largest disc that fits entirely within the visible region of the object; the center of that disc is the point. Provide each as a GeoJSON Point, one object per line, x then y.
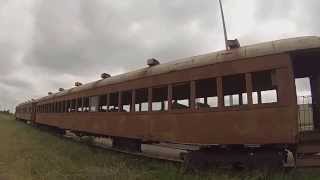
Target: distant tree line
{"type": "Point", "coordinates": [5, 111]}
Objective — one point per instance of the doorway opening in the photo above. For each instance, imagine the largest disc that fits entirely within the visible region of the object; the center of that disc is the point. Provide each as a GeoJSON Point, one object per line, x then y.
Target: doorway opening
{"type": "Point", "coordinates": [307, 78]}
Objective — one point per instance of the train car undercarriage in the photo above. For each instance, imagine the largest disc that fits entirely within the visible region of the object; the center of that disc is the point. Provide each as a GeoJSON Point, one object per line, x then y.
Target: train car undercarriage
{"type": "Point", "coordinates": [193, 157]}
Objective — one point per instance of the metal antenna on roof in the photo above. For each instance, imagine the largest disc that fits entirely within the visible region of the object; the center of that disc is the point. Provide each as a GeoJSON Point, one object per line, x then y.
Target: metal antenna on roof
{"type": "Point", "coordinates": [224, 25]}
{"type": "Point", "coordinates": [230, 44]}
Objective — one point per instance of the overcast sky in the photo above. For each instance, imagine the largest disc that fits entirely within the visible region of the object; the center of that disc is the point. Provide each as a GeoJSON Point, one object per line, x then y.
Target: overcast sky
{"type": "Point", "coordinates": [47, 44]}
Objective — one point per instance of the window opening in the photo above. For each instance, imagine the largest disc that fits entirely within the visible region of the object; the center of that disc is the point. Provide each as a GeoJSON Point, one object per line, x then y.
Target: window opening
{"type": "Point", "coordinates": [160, 99]}
{"type": "Point", "coordinates": [126, 101]}
{"type": "Point", "coordinates": [181, 96]}
{"type": "Point", "coordinates": [94, 103]}
{"type": "Point", "coordinates": [73, 105]}
{"type": "Point", "coordinates": [141, 101]}
{"type": "Point", "coordinates": [234, 90]}
{"type": "Point", "coordinates": [86, 104]}
{"type": "Point", "coordinates": [79, 105]}
{"type": "Point", "coordinates": [63, 106]}
{"type": "Point", "coordinates": [103, 103]}
{"type": "Point", "coordinates": [114, 102]}
{"type": "Point", "coordinates": [206, 93]}
{"type": "Point", "coordinates": [59, 107]}
{"type": "Point", "coordinates": [306, 110]}
{"type": "Point", "coordinates": [265, 88]}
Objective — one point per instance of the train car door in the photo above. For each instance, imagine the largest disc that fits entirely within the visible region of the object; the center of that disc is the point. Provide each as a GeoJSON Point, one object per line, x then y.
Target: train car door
{"type": "Point", "coordinates": [315, 90]}
{"type": "Point", "coordinates": [306, 71]}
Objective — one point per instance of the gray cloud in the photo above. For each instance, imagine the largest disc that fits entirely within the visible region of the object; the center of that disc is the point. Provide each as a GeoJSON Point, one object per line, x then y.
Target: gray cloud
{"type": "Point", "coordinates": [45, 45]}
{"type": "Point", "coordinates": [95, 34]}
{"type": "Point", "coordinates": [274, 9]}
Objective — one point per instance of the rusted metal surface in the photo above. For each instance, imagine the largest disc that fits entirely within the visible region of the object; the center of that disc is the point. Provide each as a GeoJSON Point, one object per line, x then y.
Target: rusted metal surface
{"type": "Point", "coordinates": [243, 53]}
{"type": "Point", "coordinates": [218, 70]}
{"type": "Point", "coordinates": [278, 123]}
{"type": "Point", "coordinates": [247, 124]}
{"type": "Point", "coordinates": [250, 126]}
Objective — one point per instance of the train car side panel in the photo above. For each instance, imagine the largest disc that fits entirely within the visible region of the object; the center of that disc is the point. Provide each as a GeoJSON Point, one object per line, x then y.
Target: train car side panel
{"type": "Point", "coordinates": [270, 125]}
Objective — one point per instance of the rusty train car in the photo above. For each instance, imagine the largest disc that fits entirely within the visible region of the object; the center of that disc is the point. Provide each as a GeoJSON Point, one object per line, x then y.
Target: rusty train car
{"type": "Point", "coordinates": [239, 105]}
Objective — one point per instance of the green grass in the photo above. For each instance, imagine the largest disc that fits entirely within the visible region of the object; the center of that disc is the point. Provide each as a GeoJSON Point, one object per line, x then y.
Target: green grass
{"type": "Point", "coordinates": [28, 153]}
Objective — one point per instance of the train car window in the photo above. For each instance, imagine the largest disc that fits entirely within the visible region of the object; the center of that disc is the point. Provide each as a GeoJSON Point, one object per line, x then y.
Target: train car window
{"type": "Point", "coordinates": [68, 106]}
{"type": "Point", "coordinates": [63, 106]}
{"type": "Point", "coordinates": [73, 105]}
{"type": "Point", "coordinates": [264, 87]}
{"type": "Point", "coordinates": [160, 99]}
{"type": "Point", "coordinates": [126, 101]}
{"type": "Point", "coordinates": [56, 104]}
{"type": "Point", "coordinates": [57, 107]}
{"type": "Point", "coordinates": [114, 102]}
{"type": "Point", "coordinates": [206, 93]}
{"type": "Point", "coordinates": [103, 101]}
{"type": "Point", "coordinates": [181, 94]}
{"type": "Point", "coordinates": [141, 101]}
{"type": "Point", "coordinates": [79, 105]}
{"type": "Point", "coordinates": [234, 90]}
{"type": "Point", "coordinates": [86, 104]}
{"type": "Point", "coordinates": [53, 108]}
{"type": "Point", "coordinates": [94, 103]}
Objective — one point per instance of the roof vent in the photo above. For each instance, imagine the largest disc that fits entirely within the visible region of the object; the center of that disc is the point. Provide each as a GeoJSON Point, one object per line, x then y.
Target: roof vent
{"type": "Point", "coordinates": [105, 75]}
{"type": "Point", "coordinates": [77, 84]}
{"type": "Point", "coordinates": [61, 89]}
{"type": "Point", "coordinates": [233, 44]}
{"type": "Point", "coordinates": [152, 62]}
{"type": "Point", "coordinates": [50, 93]}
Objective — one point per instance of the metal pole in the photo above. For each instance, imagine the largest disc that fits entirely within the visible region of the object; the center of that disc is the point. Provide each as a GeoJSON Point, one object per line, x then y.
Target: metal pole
{"type": "Point", "coordinates": [224, 25]}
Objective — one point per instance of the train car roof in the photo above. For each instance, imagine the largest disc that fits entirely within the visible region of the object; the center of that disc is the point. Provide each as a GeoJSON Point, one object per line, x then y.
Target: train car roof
{"type": "Point", "coordinates": [251, 51]}
{"type": "Point", "coordinates": [27, 103]}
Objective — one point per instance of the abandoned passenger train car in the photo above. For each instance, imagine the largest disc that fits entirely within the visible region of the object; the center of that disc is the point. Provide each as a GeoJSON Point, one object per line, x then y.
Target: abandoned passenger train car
{"type": "Point", "coordinates": [243, 100]}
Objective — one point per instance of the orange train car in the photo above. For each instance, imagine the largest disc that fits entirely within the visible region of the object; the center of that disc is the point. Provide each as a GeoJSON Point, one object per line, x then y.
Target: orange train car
{"type": "Point", "coordinates": [243, 99]}
{"type": "Point", "coordinates": [25, 111]}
